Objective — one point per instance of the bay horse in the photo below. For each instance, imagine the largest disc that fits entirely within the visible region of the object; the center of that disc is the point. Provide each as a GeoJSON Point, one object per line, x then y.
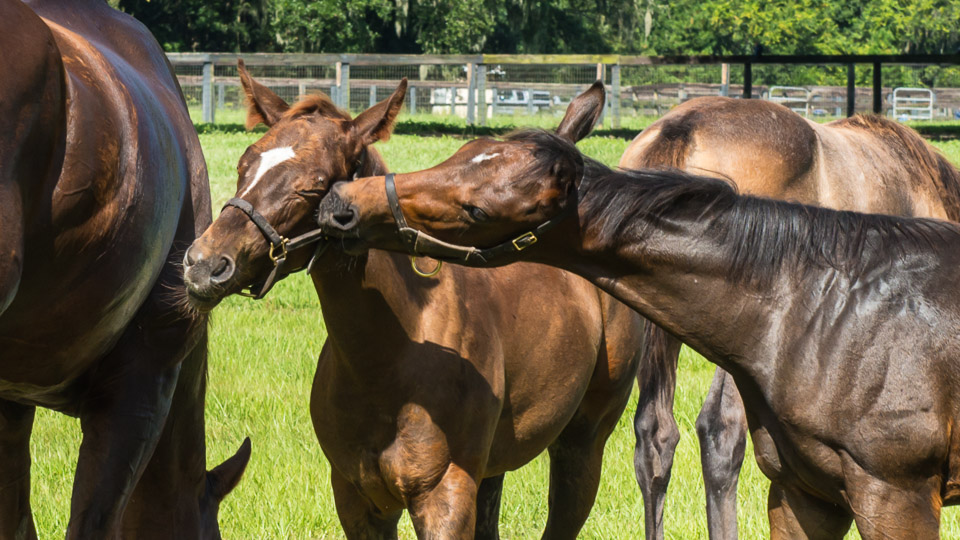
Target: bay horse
{"type": "Point", "coordinates": [839, 328]}
{"type": "Point", "coordinates": [102, 185]}
{"type": "Point", "coordinates": [856, 163]}
{"type": "Point", "coordinates": [427, 390]}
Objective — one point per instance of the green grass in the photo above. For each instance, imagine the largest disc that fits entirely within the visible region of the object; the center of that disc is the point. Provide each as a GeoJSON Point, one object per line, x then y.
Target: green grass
{"type": "Point", "coordinates": [261, 366]}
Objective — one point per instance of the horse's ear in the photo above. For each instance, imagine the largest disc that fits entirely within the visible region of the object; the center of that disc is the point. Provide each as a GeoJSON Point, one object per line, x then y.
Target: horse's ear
{"type": "Point", "coordinates": [376, 123]}
{"type": "Point", "coordinates": [263, 106]}
{"type": "Point", "coordinates": [583, 113]}
{"type": "Point", "coordinates": [224, 477]}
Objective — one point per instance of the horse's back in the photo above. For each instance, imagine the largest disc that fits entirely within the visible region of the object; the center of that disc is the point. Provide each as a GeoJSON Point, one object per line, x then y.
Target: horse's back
{"type": "Point", "coordinates": [764, 148]}
{"type": "Point", "coordinates": [905, 175]}
{"type": "Point", "coordinates": [867, 164]}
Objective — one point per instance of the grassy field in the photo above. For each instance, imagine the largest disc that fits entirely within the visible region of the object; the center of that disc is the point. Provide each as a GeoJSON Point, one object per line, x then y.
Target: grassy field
{"type": "Point", "coordinates": [261, 365]}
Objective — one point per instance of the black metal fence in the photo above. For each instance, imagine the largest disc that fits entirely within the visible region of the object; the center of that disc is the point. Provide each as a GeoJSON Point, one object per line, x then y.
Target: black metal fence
{"type": "Point", "coordinates": [478, 88]}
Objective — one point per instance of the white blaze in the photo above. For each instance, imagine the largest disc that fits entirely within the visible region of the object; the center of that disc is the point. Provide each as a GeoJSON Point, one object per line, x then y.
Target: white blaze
{"type": "Point", "coordinates": [483, 157]}
{"type": "Point", "coordinates": [268, 160]}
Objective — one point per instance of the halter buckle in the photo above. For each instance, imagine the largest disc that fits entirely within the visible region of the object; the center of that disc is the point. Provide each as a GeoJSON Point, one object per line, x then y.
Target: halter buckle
{"type": "Point", "coordinates": [277, 259]}
{"type": "Point", "coordinates": [524, 241]}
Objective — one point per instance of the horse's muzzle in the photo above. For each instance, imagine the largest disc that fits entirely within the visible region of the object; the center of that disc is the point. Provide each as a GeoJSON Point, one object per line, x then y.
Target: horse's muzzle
{"type": "Point", "coordinates": [336, 217]}
{"type": "Point", "coordinates": [206, 276]}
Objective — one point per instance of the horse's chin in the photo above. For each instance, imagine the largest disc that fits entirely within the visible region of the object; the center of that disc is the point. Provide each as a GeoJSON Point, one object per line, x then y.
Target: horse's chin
{"type": "Point", "coordinates": [203, 304]}
{"type": "Point", "coordinates": [353, 246]}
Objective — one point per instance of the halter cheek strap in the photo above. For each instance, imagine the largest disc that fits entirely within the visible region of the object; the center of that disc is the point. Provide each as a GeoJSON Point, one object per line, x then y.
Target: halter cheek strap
{"type": "Point", "coordinates": [419, 243]}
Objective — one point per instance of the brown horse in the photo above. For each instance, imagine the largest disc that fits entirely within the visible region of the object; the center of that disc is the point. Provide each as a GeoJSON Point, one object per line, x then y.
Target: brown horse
{"type": "Point", "coordinates": [857, 163]}
{"type": "Point", "coordinates": [839, 328]}
{"type": "Point", "coordinates": [427, 390]}
{"type": "Point", "coordinates": [101, 182]}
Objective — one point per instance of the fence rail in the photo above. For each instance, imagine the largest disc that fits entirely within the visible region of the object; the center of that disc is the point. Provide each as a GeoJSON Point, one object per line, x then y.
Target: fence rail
{"type": "Point", "coordinates": [477, 87]}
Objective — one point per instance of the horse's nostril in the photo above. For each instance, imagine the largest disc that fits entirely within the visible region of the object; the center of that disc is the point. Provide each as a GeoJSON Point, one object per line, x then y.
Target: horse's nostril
{"type": "Point", "coordinates": [346, 218]}
{"type": "Point", "coordinates": [224, 270]}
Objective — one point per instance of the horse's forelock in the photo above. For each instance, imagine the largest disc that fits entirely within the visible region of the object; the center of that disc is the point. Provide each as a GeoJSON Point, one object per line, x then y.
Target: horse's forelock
{"type": "Point", "coordinates": [316, 103]}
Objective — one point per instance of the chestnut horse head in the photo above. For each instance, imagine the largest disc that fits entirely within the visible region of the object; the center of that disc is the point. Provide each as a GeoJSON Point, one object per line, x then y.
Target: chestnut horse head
{"type": "Point", "coordinates": [309, 147]}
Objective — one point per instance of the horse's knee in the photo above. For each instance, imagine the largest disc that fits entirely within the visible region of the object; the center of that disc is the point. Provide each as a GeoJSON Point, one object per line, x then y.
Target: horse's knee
{"type": "Point", "coordinates": [722, 444]}
{"type": "Point", "coordinates": [657, 429]}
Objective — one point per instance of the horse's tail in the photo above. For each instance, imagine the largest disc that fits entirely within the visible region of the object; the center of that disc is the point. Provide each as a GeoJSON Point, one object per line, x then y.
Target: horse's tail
{"type": "Point", "coordinates": [949, 186]}
{"type": "Point", "coordinates": [664, 144]}
{"type": "Point", "coordinates": [913, 149]}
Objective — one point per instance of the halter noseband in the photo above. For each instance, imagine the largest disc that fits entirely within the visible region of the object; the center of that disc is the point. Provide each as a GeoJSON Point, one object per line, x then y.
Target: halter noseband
{"type": "Point", "coordinates": [280, 246]}
{"type": "Point", "coordinates": [419, 243]}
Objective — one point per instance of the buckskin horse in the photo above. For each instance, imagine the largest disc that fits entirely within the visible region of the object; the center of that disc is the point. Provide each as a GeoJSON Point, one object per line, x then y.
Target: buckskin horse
{"type": "Point", "coordinates": [102, 186]}
{"type": "Point", "coordinates": [839, 328]}
{"type": "Point", "coordinates": [857, 163]}
{"type": "Point", "coordinates": [427, 390]}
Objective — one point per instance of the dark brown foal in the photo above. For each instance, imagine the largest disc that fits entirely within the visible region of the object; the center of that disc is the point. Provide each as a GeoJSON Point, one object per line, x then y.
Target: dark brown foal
{"type": "Point", "coordinates": [427, 390]}
{"type": "Point", "coordinates": [857, 163]}
{"type": "Point", "coordinates": [839, 328]}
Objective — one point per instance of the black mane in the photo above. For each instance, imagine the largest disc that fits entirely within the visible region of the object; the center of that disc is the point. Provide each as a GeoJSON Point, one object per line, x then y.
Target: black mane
{"type": "Point", "coordinates": [762, 235]}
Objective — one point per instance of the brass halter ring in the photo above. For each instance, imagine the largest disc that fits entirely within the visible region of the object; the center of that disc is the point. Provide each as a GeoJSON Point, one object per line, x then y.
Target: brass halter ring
{"type": "Point", "coordinates": [277, 259]}
{"type": "Point", "coordinates": [435, 271]}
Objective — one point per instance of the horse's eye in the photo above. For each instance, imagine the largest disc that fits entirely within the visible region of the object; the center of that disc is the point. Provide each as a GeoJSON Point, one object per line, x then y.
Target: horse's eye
{"type": "Point", "coordinates": [475, 213]}
{"type": "Point", "coordinates": [318, 192]}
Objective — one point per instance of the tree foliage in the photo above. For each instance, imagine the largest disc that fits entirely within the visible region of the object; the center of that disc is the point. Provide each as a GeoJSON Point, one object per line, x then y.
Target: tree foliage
{"type": "Point", "coordinates": [555, 26]}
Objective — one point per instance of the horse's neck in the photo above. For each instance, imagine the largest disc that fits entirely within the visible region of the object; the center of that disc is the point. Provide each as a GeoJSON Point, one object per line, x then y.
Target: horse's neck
{"type": "Point", "coordinates": [375, 292]}
{"type": "Point", "coordinates": [688, 296]}
{"type": "Point", "coordinates": [678, 276]}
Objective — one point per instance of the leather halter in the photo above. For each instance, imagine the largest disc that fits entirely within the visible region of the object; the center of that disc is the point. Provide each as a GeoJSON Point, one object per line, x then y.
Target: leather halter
{"type": "Point", "coordinates": [419, 243]}
{"type": "Point", "coordinates": [284, 245]}
{"type": "Point", "coordinates": [279, 247]}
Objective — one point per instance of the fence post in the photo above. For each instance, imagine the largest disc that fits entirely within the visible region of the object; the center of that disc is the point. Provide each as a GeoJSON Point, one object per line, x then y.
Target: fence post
{"type": "Point", "coordinates": [221, 90]}
{"type": "Point", "coordinates": [373, 95]}
{"type": "Point", "coordinates": [601, 77]}
{"type": "Point", "coordinates": [851, 90]}
{"type": "Point", "coordinates": [471, 93]}
{"type": "Point", "coordinates": [207, 95]}
{"type": "Point", "coordinates": [877, 89]}
{"type": "Point", "coordinates": [481, 73]}
{"type": "Point", "coordinates": [615, 98]}
{"type": "Point", "coordinates": [413, 99]}
{"type": "Point", "coordinates": [343, 85]}
{"type": "Point", "coordinates": [725, 80]}
{"type": "Point", "coordinates": [747, 80]}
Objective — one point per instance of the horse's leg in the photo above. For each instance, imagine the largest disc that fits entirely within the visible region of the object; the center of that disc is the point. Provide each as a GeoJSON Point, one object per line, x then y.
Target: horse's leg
{"type": "Point", "coordinates": [576, 457]}
{"type": "Point", "coordinates": [654, 425]}
{"type": "Point", "coordinates": [360, 519]}
{"type": "Point", "coordinates": [449, 510]}
{"type": "Point", "coordinates": [16, 423]}
{"type": "Point", "coordinates": [722, 430]}
{"type": "Point", "coordinates": [796, 515]}
{"type": "Point", "coordinates": [11, 242]}
{"type": "Point", "coordinates": [123, 411]}
{"type": "Point", "coordinates": [574, 479]}
{"type": "Point", "coordinates": [885, 511]}
{"type": "Point", "coordinates": [488, 508]}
